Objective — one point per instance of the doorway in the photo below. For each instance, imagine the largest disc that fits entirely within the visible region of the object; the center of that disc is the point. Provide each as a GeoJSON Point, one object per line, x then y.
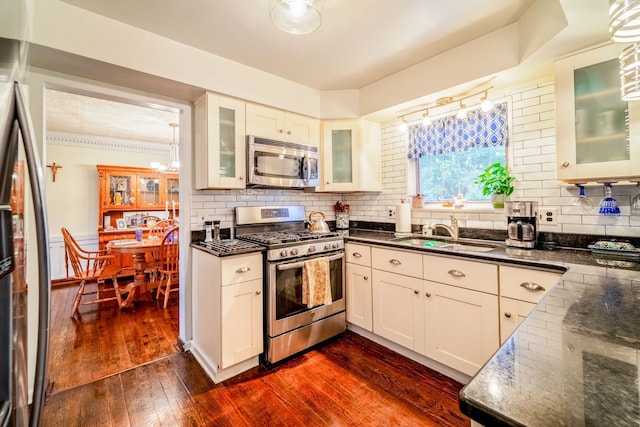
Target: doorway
{"type": "Point", "coordinates": [83, 129]}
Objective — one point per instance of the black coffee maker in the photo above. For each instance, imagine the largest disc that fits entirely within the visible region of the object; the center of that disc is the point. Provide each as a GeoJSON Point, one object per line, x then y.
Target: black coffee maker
{"type": "Point", "coordinates": [521, 224]}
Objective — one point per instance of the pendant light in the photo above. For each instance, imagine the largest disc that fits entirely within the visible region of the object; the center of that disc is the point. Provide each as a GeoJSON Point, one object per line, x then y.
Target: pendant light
{"type": "Point", "coordinates": [624, 20]}
{"type": "Point", "coordinates": [296, 16]}
{"type": "Point", "coordinates": [174, 156]}
{"type": "Point", "coordinates": [630, 73]}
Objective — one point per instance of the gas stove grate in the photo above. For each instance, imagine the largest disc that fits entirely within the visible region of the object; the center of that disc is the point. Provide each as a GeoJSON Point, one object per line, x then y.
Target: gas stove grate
{"type": "Point", "coordinates": [280, 237]}
{"type": "Point", "coordinates": [232, 246]}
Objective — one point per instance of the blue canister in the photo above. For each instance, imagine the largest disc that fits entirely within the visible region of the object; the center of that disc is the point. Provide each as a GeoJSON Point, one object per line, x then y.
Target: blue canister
{"type": "Point", "coordinates": [139, 234]}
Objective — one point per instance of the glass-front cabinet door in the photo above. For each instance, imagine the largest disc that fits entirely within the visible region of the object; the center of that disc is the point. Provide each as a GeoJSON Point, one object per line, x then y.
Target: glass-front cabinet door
{"type": "Point", "coordinates": [340, 141]}
{"type": "Point", "coordinates": [350, 156]}
{"type": "Point", "coordinates": [121, 191]}
{"type": "Point", "coordinates": [149, 186]}
{"type": "Point", "coordinates": [597, 132]}
{"type": "Point", "coordinates": [220, 142]}
{"type": "Point", "coordinates": [173, 190]}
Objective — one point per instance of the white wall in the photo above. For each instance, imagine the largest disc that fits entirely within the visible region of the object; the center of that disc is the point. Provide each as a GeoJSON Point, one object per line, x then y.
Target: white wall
{"type": "Point", "coordinates": [72, 201]}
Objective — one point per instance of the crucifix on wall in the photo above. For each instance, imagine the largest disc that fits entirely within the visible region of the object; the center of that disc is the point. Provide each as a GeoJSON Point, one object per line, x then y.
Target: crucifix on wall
{"type": "Point", "coordinates": [54, 169]}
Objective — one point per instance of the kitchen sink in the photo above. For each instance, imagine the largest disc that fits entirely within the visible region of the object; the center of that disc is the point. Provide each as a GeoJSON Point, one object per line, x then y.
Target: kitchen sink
{"type": "Point", "coordinates": [416, 241]}
{"type": "Point", "coordinates": [466, 247]}
{"type": "Point", "coordinates": [430, 243]}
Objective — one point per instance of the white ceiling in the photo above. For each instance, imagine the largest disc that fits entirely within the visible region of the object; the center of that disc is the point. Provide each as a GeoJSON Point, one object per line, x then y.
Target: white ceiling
{"type": "Point", "coordinates": [358, 43]}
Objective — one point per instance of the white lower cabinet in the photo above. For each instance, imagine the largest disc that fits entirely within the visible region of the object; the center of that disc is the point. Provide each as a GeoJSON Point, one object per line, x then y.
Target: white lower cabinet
{"type": "Point", "coordinates": [512, 313]}
{"type": "Point", "coordinates": [359, 296]}
{"type": "Point", "coordinates": [398, 310]}
{"type": "Point", "coordinates": [520, 290]}
{"type": "Point", "coordinates": [358, 285]}
{"type": "Point", "coordinates": [461, 326]}
{"type": "Point", "coordinates": [241, 322]}
{"type": "Point", "coordinates": [227, 312]}
{"type": "Point", "coordinates": [454, 310]}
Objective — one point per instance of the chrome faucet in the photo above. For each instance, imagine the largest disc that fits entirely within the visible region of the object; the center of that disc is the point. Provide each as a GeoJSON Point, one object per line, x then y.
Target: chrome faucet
{"type": "Point", "coordinates": [452, 230]}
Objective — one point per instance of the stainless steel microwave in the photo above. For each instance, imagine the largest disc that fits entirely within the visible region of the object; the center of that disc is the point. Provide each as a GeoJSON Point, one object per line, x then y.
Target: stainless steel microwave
{"type": "Point", "coordinates": [281, 164]}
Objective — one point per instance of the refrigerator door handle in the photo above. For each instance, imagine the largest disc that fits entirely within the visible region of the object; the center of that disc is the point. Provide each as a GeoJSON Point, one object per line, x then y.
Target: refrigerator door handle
{"type": "Point", "coordinates": [42, 237]}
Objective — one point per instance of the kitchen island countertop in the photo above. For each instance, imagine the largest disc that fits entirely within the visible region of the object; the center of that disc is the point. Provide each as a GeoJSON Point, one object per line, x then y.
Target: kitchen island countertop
{"type": "Point", "coordinates": [574, 360]}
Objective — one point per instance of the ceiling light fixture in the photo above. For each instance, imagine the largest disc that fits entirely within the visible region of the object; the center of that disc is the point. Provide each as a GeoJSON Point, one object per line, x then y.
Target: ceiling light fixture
{"type": "Point", "coordinates": [426, 119]}
{"type": "Point", "coordinates": [624, 20]}
{"type": "Point", "coordinates": [296, 16]}
{"type": "Point", "coordinates": [485, 106]}
{"type": "Point", "coordinates": [630, 73]}
{"type": "Point", "coordinates": [404, 125]}
{"type": "Point", "coordinates": [174, 156]}
{"type": "Point", "coordinates": [462, 112]}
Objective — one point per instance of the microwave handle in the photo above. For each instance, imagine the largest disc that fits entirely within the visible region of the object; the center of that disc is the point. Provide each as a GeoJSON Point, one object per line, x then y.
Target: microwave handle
{"type": "Point", "coordinates": [307, 163]}
{"type": "Point", "coordinates": [300, 264]}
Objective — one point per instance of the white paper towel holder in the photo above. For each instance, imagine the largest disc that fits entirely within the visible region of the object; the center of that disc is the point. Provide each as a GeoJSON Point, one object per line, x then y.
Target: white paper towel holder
{"type": "Point", "coordinates": [403, 218]}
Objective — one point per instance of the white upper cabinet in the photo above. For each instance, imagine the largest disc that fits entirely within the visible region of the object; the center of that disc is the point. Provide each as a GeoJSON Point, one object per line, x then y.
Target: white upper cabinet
{"type": "Point", "coordinates": [220, 159]}
{"type": "Point", "coordinates": [350, 156]}
{"type": "Point", "coordinates": [281, 125]}
{"type": "Point", "coordinates": [598, 134]}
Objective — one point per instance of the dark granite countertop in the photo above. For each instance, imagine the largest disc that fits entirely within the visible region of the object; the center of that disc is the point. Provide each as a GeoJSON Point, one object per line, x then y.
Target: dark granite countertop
{"type": "Point", "coordinates": [575, 359]}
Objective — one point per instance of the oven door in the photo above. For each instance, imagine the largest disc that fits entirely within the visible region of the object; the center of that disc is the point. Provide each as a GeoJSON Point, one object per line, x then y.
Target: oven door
{"type": "Point", "coordinates": [281, 164]}
{"type": "Point", "coordinates": [285, 310]}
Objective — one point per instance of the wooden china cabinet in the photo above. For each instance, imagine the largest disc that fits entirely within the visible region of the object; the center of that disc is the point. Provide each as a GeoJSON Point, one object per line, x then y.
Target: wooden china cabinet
{"type": "Point", "coordinates": [124, 190]}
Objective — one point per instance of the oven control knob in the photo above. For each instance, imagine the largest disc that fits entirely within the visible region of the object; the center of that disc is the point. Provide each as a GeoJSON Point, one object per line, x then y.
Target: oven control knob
{"type": "Point", "coordinates": [312, 248]}
{"type": "Point", "coordinates": [294, 251]}
{"type": "Point", "coordinates": [335, 245]}
{"type": "Point", "coordinates": [283, 253]}
{"type": "Point", "coordinates": [327, 245]}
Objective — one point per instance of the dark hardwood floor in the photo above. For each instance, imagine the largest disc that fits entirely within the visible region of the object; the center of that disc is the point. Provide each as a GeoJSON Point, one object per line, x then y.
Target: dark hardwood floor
{"type": "Point", "coordinates": [349, 381]}
{"type": "Point", "coordinates": [104, 340]}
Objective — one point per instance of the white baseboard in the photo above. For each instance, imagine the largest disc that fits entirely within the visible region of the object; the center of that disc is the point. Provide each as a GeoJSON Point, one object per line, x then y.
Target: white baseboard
{"type": "Point", "coordinates": [219, 375]}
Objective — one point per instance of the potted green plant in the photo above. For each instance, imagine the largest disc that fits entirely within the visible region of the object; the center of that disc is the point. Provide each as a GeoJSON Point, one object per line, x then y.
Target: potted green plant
{"type": "Point", "coordinates": [496, 182]}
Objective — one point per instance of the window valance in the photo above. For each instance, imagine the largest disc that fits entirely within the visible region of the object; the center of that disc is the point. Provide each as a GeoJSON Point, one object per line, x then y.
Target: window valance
{"type": "Point", "coordinates": [449, 134]}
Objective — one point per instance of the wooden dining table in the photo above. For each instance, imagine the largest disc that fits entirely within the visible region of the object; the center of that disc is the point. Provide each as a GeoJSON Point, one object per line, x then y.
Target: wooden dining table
{"type": "Point", "coordinates": [138, 250]}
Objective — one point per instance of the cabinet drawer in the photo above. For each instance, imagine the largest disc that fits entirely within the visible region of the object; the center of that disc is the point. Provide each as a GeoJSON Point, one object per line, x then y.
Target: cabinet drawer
{"type": "Point", "coordinates": [405, 263]}
{"type": "Point", "coordinates": [240, 269]}
{"type": "Point", "coordinates": [473, 275]}
{"type": "Point", "coordinates": [358, 254]}
{"type": "Point", "coordinates": [526, 284]}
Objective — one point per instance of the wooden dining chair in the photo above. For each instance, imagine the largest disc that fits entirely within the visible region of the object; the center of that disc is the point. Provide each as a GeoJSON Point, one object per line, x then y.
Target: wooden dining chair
{"type": "Point", "coordinates": [91, 267]}
{"type": "Point", "coordinates": [153, 259]}
{"type": "Point", "coordinates": [169, 270]}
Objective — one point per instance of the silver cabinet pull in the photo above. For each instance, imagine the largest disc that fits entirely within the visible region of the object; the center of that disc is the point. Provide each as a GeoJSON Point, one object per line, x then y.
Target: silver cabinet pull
{"type": "Point", "coordinates": [243, 270]}
{"type": "Point", "coordinates": [531, 286]}
{"type": "Point", "coordinates": [395, 261]}
{"type": "Point", "coordinates": [415, 291]}
{"type": "Point", "coordinates": [258, 292]}
{"type": "Point", "coordinates": [357, 255]}
{"type": "Point", "coordinates": [507, 315]}
{"type": "Point", "coordinates": [457, 273]}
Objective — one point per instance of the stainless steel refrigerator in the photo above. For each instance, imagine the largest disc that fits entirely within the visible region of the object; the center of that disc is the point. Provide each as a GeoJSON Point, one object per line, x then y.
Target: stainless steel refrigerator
{"type": "Point", "coordinates": [20, 175]}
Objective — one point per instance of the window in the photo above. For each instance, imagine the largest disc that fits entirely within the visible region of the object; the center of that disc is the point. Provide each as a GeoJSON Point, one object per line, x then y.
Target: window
{"type": "Point", "coordinates": [451, 153]}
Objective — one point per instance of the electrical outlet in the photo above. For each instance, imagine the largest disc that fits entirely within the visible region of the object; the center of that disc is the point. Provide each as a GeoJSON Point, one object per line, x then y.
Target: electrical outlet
{"type": "Point", "coordinates": [391, 211]}
{"type": "Point", "coordinates": [548, 216]}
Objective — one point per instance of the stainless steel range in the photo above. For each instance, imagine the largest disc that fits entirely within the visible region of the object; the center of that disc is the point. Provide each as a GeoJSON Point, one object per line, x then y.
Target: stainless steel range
{"type": "Point", "coordinates": [291, 326]}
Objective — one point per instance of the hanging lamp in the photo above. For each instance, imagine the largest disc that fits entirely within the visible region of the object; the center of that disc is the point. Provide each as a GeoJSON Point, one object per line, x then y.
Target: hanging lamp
{"type": "Point", "coordinates": [174, 156]}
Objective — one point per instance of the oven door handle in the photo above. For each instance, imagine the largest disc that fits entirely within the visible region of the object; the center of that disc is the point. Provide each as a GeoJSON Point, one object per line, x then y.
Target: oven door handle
{"type": "Point", "coordinates": [293, 265]}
